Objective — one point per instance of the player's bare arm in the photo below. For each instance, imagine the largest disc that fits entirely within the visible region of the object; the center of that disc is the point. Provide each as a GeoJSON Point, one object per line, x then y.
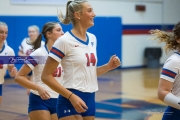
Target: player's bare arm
{"type": "Point", "coordinates": [113, 63]}
{"type": "Point", "coordinates": [22, 80]}
{"type": "Point", "coordinates": [48, 79]}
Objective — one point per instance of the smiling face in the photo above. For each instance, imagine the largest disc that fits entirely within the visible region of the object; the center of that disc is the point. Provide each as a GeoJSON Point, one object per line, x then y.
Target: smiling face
{"type": "Point", "coordinates": [3, 33]}
{"type": "Point", "coordinates": [87, 15]}
{"type": "Point", "coordinates": [56, 32]}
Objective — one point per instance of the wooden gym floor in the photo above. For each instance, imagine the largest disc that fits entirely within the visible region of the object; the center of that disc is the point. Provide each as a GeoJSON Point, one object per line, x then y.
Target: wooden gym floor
{"type": "Point", "coordinates": [123, 95]}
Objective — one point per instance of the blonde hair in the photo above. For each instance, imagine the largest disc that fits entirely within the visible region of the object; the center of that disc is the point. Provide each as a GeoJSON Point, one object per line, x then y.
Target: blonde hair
{"type": "Point", "coordinates": [34, 27]}
{"type": "Point", "coordinates": [48, 27]}
{"type": "Point", "coordinates": [72, 6]}
{"type": "Point", "coordinates": [3, 23]}
{"type": "Point", "coordinates": [168, 37]}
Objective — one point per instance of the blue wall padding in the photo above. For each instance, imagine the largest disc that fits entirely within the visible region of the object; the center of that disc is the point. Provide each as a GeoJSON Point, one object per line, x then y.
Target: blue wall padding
{"type": "Point", "coordinates": [108, 31]}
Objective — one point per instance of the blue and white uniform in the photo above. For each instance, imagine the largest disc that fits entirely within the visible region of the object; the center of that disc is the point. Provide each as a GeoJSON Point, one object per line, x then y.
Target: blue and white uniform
{"type": "Point", "coordinates": [26, 48]}
{"type": "Point", "coordinates": [6, 51]}
{"type": "Point", "coordinates": [36, 62]}
{"type": "Point", "coordinates": [79, 60]}
{"type": "Point", "coordinates": [171, 73]}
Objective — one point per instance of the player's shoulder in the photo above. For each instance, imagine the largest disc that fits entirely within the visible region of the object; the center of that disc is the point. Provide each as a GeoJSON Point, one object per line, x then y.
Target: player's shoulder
{"type": "Point", "coordinates": [66, 35]}
{"type": "Point", "coordinates": [38, 52]}
{"type": "Point", "coordinates": [42, 43]}
{"type": "Point", "coordinates": [173, 59]}
{"type": "Point", "coordinates": [90, 34]}
{"type": "Point", "coordinates": [8, 48]}
{"type": "Point", "coordinates": [64, 38]}
{"type": "Point", "coordinates": [25, 40]}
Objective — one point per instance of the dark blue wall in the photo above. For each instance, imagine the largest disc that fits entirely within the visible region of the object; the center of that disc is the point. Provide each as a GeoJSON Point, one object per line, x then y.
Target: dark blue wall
{"type": "Point", "coordinates": [108, 31]}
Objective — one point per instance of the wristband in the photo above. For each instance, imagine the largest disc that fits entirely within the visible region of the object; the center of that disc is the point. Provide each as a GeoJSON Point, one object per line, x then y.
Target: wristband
{"type": "Point", "coordinates": [172, 100]}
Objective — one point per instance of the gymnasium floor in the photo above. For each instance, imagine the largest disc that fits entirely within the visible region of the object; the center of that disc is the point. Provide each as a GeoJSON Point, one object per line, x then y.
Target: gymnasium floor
{"type": "Point", "coordinates": [123, 95]}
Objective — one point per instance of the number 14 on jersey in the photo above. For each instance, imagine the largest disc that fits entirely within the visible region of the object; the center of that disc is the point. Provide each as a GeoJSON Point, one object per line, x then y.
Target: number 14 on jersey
{"type": "Point", "coordinates": [91, 59]}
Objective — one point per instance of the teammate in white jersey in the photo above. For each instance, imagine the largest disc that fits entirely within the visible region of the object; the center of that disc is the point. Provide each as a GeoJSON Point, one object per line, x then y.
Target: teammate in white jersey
{"type": "Point", "coordinates": [5, 50]}
{"type": "Point", "coordinates": [169, 84]}
{"type": "Point", "coordinates": [42, 99]}
{"type": "Point", "coordinates": [25, 49]}
{"type": "Point", "coordinates": [76, 51]}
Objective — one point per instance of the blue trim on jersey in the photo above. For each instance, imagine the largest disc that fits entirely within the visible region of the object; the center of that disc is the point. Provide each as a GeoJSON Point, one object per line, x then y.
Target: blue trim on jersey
{"type": "Point", "coordinates": [32, 61]}
{"type": "Point", "coordinates": [177, 53]}
{"type": "Point", "coordinates": [57, 52]}
{"type": "Point", "coordinates": [168, 73]}
{"type": "Point", "coordinates": [46, 49]}
{"type": "Point", "coordinates": [2, 48]}
{"type": "Point", "coordinates": [87, 41]}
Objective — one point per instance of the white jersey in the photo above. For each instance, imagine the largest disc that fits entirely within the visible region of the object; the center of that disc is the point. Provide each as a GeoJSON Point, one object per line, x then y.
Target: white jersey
{"type": "Point", "coordinates": [78, 60]}
{"type": "Point", "coordinates": [6, 51]}
{"type": "Point", "coordinates": [171, 72]}
{"type": "Point", "coordinates": [37, 66]}
{"type": "Point", "coordinates": [26, 48]}
{"type": "Point", "coordinates": [5, 42]}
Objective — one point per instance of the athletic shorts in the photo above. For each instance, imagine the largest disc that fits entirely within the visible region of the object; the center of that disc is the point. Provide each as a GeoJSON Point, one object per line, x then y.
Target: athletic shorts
{"type": "Point", "coordinates": [171, 114]}
{"type": "Point", "coordinates": [0, 89]}
{"type": "Point", "coordinates": [65, 108]}
{"type": "Point", "coordinates": [36, 103]}
{"type": "Point", "coordinates": [30, 73]}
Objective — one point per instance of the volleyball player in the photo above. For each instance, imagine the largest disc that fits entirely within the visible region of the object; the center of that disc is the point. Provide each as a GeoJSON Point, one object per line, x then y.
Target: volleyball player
{"type": "Point", "coordinates": [42, 99]}
{"type": "Point", "coordinates": [76, 51]}
{"type": "Point", "coordinates": [5, 51]}
{"type": "Point", "coordinates": [26, 48]}
{"type": "Point", "coordinates": [169, 84]}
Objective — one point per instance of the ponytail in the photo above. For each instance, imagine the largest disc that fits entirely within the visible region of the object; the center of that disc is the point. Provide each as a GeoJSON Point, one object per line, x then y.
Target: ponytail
{"type": "Point", "coordinates": [65, 20]}
{"type": "Point", "coordinates": [72, 6]}
{"type": "Point", "coordinates": [37, 43]}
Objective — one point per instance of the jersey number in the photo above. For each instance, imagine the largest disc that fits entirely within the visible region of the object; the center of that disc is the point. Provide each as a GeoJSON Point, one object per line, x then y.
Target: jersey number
{"type": "Point", "coordinates": [28, 52]}
{"type": "Point", "coordinates": [1, 66]}
{"type": "Point", "coordinates": [91, 59]}
{"type": "Point", "coordinates": [57, 72]}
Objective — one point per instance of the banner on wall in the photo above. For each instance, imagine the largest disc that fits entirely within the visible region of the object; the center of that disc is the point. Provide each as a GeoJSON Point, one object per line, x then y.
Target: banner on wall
{"type": "Point", "coordinates": [40, 2]}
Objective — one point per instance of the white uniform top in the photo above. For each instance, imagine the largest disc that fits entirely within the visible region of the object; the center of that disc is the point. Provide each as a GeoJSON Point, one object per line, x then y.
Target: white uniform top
{"type": "Point", "coordinates": [171, 72]}
{"type": "Point", "coordinates": [5, 42]}
{"type": "Point", "coordinates": [26, 48]}
{"type": "Point", "coordinates": [78, 60]}
{"type": "Point", "coordinates": [6, 51]}
{"type": "Point", "coordinates": [37, 66]}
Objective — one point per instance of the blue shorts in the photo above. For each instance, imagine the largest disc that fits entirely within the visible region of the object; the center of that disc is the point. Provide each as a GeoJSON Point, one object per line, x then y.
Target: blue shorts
{"type": "Point", "coordinates": [0, 89]}
{"type": "Point", "coordinates": [36, 103]}
{"type": "Point", "coordinates": [65, 108]}
{"type": "Point", "coordinates": [29, 74]}
{"type": "Point", "coordinates": [171, 114]}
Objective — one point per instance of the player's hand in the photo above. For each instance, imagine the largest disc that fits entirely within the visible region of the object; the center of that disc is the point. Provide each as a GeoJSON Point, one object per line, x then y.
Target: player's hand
{"type": "Point", "coordinates": [114, 62]}
{"type": "Point", "coordinates": [43, 94]}
{"type": "Point", "coordinates": [13, 72]}
{"type": "Point", "coordinates": [78, 103]}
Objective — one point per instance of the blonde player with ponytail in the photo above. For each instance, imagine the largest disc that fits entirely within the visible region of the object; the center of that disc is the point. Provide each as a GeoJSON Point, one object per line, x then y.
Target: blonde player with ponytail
{"type": "Point", "coordinates": [76, 51]}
